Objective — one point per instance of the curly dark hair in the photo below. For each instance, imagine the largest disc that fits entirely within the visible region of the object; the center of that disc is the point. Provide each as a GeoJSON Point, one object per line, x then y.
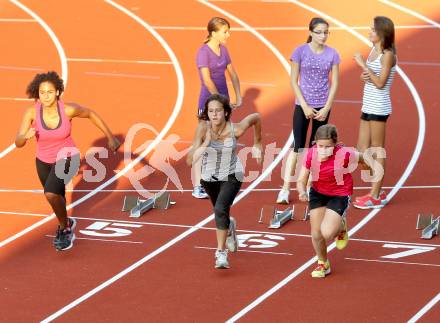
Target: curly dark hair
{"type": "Point", "coordinates": [223, 100]}
{"type": "Point", "coordinates": [33, 88]}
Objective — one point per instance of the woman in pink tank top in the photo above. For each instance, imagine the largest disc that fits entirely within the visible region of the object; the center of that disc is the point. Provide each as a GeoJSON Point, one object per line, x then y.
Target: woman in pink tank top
{"type": "Point", "coordinates": [57, 158]}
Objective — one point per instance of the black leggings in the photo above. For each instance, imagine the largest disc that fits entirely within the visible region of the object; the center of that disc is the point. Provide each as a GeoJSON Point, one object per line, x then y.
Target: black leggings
{"type": "Point", "coordinates": [300, 126]}
{"type": "Point", "coordinates": [49, 179]}
{"type": "Point", "coordinates": [222, 195]}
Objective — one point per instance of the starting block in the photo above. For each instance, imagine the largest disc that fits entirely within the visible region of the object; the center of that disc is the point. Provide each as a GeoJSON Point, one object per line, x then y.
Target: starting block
{"type": "Point", "coordinates": [428, 226]}
{"type": "Point", "coordinates": [276, 218]}
{"type": "Point", "coordinates": [137, 207]}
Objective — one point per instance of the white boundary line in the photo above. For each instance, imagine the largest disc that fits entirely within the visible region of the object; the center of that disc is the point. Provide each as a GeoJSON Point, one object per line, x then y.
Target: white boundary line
{"type": "Point", "coordinates": [429, 64]}
{"type": "Point", "coordinates": [105, 60]}
{"type": "Point", "coordinates": [425, 309]}
{"type": "Point", "coordinates": [183, 235]}
{"type": "Point", "coordinates": [16, 99]}
{"type": "Point", "coordinates": [20, 68]}
{"type": "Point", "coordinates": [394, 262]}
{"type": "Point", "coordinates": [364, 221]}
{"type": "Point", "coordinates": [170, 225]}
{"type": "Point", "coordinates": [60, 49]}
{"type": "Point", "coordinates": [138, 76]}
{"type": "Point", "coordinates": [410, 12]}
{"type": "Point", "coordinates": [252, 251]}
{"type": "Point", "coordinates": [155, 142]}
{"type": "Point", "coordinates": [16, 20]}
{"type": "Point", "coordinates": [103, 240]}
{"type": "Point", "coordinates": [38, 191]}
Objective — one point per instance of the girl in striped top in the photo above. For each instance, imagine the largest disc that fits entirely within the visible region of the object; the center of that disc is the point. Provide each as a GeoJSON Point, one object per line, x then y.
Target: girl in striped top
{"type": "Point", "coordinates": [377, 73]}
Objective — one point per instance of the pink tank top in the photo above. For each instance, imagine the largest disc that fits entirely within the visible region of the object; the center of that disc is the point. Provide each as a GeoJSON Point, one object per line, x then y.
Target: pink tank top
{"type": "Point", "coordinates": [53, 144]}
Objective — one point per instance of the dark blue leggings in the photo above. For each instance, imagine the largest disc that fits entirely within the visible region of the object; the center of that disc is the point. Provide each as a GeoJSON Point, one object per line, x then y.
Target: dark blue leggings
{"type": "Point", "coordinates": [222, 195]}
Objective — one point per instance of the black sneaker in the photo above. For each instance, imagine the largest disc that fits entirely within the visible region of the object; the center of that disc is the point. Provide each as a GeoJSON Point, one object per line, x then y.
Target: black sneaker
{"type": "Point", "coordinates": [71, 223]}
{"type": "Point", "coordinates": [65, 239]}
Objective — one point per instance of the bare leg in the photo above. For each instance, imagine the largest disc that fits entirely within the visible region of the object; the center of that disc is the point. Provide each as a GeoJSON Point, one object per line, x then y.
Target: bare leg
{"type": "Point", "coordinates": [378, 140]}
{"type": "Point", "coordinates": [318, 241]}
{"type": "Point", "coordinates": [221, 239]}
{"type": "Point", "coordinates": [289, 169]}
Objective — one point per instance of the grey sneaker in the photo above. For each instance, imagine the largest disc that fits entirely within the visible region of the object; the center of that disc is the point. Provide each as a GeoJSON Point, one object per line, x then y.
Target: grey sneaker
{"type": "Point", "coordinates": [231, 239]}
{"type": "Point", "coordinates": [199, 193]}
{"type": "Point", "coordinates": [283, 197]}
{"type": "Point", "coordinates": [221, 259]}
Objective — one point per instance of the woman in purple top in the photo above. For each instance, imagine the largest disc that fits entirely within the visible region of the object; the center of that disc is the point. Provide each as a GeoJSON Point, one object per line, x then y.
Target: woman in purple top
{"type": "Point", "coordinates": [311, 66]}
{"type": "Point", "coordinates": [213, 61]}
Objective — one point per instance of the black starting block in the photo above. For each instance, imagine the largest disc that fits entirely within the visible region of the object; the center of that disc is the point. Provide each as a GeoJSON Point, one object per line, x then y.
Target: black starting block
{"type": "Point", "coordinates": [276, 219]}
{"type": "Point", "coordinates": [138, 207]}
{"type": "Point", "coordinates": [428, 226]}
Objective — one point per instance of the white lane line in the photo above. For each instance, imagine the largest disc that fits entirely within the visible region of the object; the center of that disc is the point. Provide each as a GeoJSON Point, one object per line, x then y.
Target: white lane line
{"type": "Point", "coordinates": [97, 239]}
{"type": "Point", "coordinates": [60, 50]}
{"type": "Point", "coordinates": [154, 143]}
{"type": "Point", "coordinates": [428, 64]}
{"type": "Point", "coordinates": [24, 213]}
{"type": "Point", "coordinates": [425, 309]}
{"type": "Point", "coordinates": [16, 99]}
{"type": "Point", "coordinates": [348, 101]}
{"type": "Point", "coordinates": [7, 150]}
{"type": "Point", "coordinates": [286, 28]}
{"type": "Point", "coordinates": [16, 20]}
{"type": "Point", "coordinates": [252, 251]}
{"type": "Point", "coordinates": [183, 235]}
{"type": "Point", "coordinates": [138, 76]}
{"type": "Point", "coordinates": [410, 12]}
{"type": "Point", "coordinates": [104, 60]}
{"type": "Point", "coordinates": [21, 68]}
{"type": "Point", "coordinates": [394, 262]}
{"type": "Point", "coordinates": [160, 224]}
{"type": "Point", "coordinates": [6, 190]}
{"type": "Point", "coordinates": [364, 221]}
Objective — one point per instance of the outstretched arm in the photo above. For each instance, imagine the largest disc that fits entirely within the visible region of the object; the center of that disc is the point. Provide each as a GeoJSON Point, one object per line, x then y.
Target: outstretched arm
{"type": "Point", "coordinates": [74, 110]}
{"type": "Point", "coordinates": [25, 131]}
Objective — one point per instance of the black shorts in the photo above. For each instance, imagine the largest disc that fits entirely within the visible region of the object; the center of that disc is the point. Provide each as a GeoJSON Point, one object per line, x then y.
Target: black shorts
{"type": "Point", "coordinates": [47, 173]}
{"type": "Point", "coordinates": [339, 204]}
{"type": "Point", "coordinates": [374, 117]}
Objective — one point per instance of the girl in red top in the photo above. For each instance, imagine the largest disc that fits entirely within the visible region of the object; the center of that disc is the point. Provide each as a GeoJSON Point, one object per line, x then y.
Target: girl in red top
{"type": "Point", "coordinates": [57, 158]}
{"type": "Point", "coordinates": [329, 196]}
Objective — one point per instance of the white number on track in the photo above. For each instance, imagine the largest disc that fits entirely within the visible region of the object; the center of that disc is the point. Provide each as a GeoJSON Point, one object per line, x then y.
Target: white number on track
{"type": "Point", "coordinates": [258, 241]}
{"type": "Point", "coordinates": [414, 250]}
{"type": "Point", "coordinates": [111, 229]}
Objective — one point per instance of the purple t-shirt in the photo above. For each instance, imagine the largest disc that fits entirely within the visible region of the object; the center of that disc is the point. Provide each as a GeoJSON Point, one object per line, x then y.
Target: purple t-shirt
{"type": "Point", "coordinates": [314, 72]}
{"type": "Point", "coordinates": [217, 67]}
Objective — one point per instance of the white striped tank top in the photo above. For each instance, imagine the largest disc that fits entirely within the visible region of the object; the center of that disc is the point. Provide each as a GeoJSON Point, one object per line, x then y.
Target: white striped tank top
{"type": "Point", "coordinates": [220, 159]}
{"type": "Point", "coordinates": [377, 101]}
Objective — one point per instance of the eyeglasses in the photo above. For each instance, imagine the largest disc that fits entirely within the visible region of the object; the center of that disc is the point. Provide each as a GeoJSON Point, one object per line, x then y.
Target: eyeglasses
{"type": "Point", "coordinates": [325, 33]}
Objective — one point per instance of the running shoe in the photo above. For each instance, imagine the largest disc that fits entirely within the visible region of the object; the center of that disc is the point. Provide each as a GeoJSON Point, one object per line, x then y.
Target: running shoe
{"type": "Point", "coordinates": [322, 270]}
{"type": "Point", "coordinates": [221, 259]}
{"type": "Point", "coordinates": [199, 193]}
{"type": "Point", "coordinates": [283, 197]}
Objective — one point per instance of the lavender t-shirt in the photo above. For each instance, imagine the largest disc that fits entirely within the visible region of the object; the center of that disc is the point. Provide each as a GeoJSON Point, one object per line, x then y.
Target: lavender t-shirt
{"type": "Point", "coordinates": [217, 67]}
{"type": "Point", "coordinates": [314, 72]}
